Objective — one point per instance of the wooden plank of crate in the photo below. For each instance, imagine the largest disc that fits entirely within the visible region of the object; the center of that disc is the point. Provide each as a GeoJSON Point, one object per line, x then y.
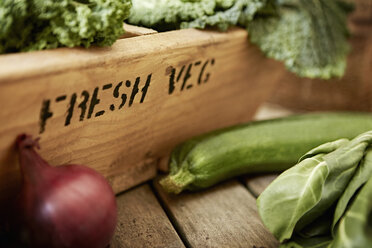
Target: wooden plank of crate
{"type": "Point", "coordinates": [222, 216]}
{"type": "Point", "coordinates": [174, 85]}
{"type": "Point", "coordinates": [256, 184]}
{"type": "Point", "coordinates": [133, 31]}
{"type": "Point", "coordinates": [142, 222]}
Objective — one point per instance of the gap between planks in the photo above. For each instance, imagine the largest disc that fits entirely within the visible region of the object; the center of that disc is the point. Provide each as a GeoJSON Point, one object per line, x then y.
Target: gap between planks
{"type": "Point", "coordinates": [223, 216]}
{"type": "Point", "coordinates": [142, 222]}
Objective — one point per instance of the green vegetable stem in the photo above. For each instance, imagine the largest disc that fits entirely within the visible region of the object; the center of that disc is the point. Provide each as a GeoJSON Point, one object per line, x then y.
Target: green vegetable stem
{"type": "Point", "coordinates": [262, 146]}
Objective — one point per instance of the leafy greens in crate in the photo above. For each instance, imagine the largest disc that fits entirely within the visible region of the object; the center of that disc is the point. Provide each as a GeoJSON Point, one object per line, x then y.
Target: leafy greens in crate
{"type": "Point", "coordinates": [27, 25]}
{"type": "Point", "coordinates": [309, 36]}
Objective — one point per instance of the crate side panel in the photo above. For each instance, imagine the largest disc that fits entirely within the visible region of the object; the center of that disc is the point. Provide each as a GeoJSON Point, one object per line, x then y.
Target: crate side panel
{"type": "Point", "coordinates": [120, 110]}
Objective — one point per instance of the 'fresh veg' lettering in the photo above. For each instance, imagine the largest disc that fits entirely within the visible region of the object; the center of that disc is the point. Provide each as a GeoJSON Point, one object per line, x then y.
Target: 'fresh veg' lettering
{"type": "Point", "coordinates": [181, 78]}
{"type": "Point", "coordinates": [88, 103]}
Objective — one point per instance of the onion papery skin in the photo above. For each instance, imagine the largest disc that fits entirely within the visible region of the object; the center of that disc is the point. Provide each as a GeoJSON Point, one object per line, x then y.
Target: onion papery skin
{"type": "Point", "coordinates": [69, 206]}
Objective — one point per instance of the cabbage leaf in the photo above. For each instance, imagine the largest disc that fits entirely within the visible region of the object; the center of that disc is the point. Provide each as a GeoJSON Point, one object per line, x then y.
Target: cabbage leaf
{"type": "Point", "coordinates": [309, 36]}
{"type": "Point", "coordinates": [355, 227]}
{"type": "Point", "coordinates": [166, 15]}
{"type": "Point", "coordinates": [325, 199]}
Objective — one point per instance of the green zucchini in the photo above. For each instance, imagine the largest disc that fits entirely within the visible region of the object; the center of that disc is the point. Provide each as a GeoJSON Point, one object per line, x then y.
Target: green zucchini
{"type": "Point", "coordinates": [260, 146]}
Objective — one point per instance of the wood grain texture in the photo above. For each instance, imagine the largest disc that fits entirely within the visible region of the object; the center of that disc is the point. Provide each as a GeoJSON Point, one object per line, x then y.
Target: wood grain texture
{"type": "Point", "coordinates": [256, 184]}
{"type": "Point", "coordinates": [142, 222]}
{"type": "Point", "coordinates": [223, 216]}
{"type": "Point", "coordinates": [363, 11]}
{"type": "Point", "coordinates": [125, 144]}
{"type": "Point", "coordinates": [133, 31]}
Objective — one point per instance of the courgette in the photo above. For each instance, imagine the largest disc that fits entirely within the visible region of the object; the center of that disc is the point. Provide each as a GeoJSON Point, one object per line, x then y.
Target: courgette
{"type": "Point", "coordinates": [259, 146]}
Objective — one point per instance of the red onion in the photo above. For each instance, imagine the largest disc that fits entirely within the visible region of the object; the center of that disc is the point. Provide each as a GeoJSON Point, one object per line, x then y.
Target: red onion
{"type": "Point", "coordinates": [65, 206]}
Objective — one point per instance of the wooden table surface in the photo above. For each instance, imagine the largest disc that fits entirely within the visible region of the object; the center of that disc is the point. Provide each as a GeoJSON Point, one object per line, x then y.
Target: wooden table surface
{"type": "Point", "coordinates": [222, 216]}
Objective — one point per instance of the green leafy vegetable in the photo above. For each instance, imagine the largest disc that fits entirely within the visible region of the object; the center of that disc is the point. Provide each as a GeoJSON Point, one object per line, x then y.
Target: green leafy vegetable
{"type": "Point", "coordinates": [170, 14]}
{"type": "Point", "coordinates": [223, 19]}
{"type": "Point", "coordinates": [298, 205]}
{"type": "Point", "coordinates": [362, 175]}
{"type": "Point", "coordinates": [283, 205]}
{"type": "Point", "coordinates": [173, 14]}
{"type": "Point", "coordinates": [355, 227]}
{"type": "Point", "coordinates": [309, 36]}
{"type": "Point", "coordinates": [316, 242]}
{"type": "Point", "coordinates": [319, 227]}
{"type": "Point", "coordinates": [27, 25]}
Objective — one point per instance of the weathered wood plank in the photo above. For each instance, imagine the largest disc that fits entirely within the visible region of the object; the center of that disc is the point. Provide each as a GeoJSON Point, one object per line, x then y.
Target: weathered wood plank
{"type": "Point", "coordinates": [222, 216]}
{"type": "Point", "coordinates": [256, 184]}
{"type": "Point", "coordinates": [119, 109]}
{"type": "Point", "coordinates": [363, 12]}
{"type": "Point", "coordinates": [142, 222]}
{"type": "Point", "coordinates": [133, 31]}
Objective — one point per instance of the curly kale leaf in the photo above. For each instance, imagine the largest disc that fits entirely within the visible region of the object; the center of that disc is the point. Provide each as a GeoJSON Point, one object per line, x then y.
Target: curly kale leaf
{"type": "Point", "coordinates": [173, 14]}
{"type": "Point", "coordinates": [309, 36]}
{"type": "Point", "coordinates": [169, 14]}
{"type": "Point", "coordinates": [13, 29]}
{"type": "Point", "coordinates": [27, 25]}
{"type": "Point", "coordinates": [223, 19]}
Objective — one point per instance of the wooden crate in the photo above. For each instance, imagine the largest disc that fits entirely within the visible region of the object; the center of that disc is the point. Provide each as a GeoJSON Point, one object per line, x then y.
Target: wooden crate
{"type": "Point", "coordinates": [121, 109]}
